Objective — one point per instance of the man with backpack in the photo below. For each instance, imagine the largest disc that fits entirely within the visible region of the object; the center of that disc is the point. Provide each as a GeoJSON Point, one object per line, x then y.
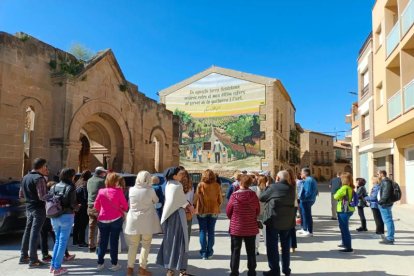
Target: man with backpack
{"type": "Point", "coordinates": [385, 202]}
{"type": "Point", "coordinates": [33, 190]}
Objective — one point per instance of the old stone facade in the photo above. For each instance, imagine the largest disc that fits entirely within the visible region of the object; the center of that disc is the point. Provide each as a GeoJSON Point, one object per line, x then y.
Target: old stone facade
{"type": "Point", "coordinates": [317, 154]}
{"type": "Point", "coordinates": [76, 114]}
{"type": "Point", "coordinates": [342, 157]}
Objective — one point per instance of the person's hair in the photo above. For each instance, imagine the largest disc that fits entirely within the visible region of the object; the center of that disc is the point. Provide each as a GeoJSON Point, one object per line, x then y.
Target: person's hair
{"type": "Point", "coordinates": [38, 163]}
{"type": "Point", "coordinates": [184, 179]}
{"type": "Point", "coordinates": [375, 180]}
{"type": "Point", "coordinates": [306, 171]}
{"type": "Point", "coordinates": [121, 183]}
{"type": "Point", "coordinates": [384, 173]}
{"type": "Point", "coordinates": [218, 180]}
{"type": "Point", "coordinates": [155, 179]}
{"type": "Point", "coordinates": [86, 174]}
{"type": "Point", "coordinates": [261, 182]}
{"type": "Point", "coordinates": [112, 180]}
{"type": "Point", "coordinates": [237, 176]}
{"type": "Point", "coordinates": [208, 176]}
{"type": "Point", "coordinates": [181, 168]}
{"type": "Point", "coordinates": [50, 184]}
{"type": "Point", "coordinates": [338, 174]}
{"type": "Point", "coordinates": [346, 179]}
{"type": "Point", "coordinates": [283, 175]}
{"type": "Point", "coordinates": [66, 175]}
{"type": "Point", "coordinates": [361, 181]}
{"type": "Point", "coordinates": [245, 181]}
{"type": "Point", "coordinates": [270, 179]}
{"type": "Point", "coordinates": [292, 180]}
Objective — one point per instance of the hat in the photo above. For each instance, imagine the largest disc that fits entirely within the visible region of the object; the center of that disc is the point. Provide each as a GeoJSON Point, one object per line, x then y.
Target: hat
{"type": "Point", "coordinates": [170, 172]}
{"type": "Point", "coordinates": [100, 169]}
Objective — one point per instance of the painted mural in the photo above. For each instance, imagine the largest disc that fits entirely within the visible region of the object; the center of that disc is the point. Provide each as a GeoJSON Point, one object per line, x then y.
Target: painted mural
{"type": "Point", "coordinates": [219, 123]}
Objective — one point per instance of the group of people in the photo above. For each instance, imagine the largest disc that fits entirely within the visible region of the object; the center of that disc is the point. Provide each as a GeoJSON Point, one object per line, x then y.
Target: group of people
{"type": "Point", "coordinates": [198, 154]}
{"type": "Point", "coordinates": [256, 203]}
{"type": "Point", "coordinates": [380, 200]}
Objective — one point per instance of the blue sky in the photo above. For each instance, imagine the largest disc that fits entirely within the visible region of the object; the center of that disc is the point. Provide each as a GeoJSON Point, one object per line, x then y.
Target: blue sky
{"type": "Point", "coordinates": [311, 46]}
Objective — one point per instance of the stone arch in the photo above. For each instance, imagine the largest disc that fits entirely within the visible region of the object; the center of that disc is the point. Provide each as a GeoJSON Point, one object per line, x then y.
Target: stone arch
{"type": "Point", "coordinates": [158, 138]}
{"type": "Point", "coordinates": [102, 115]}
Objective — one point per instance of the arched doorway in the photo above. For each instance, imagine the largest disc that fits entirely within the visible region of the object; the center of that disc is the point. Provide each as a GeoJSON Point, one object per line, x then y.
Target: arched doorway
{"type": "Point", "coordinates": [27, 139]}
{"type": "Point", "coordinates": [101, 144]}
{"type": "Point", "coordinates": [158, 142]}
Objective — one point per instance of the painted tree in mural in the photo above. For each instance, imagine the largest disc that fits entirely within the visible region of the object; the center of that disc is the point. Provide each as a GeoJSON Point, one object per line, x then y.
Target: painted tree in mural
{"type": "Point", "coordinates": [185, 122]}
{"type": "Point", "coordinates": [242, 131]}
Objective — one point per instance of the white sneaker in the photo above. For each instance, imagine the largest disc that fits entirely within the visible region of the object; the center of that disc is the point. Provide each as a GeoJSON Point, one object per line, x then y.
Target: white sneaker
{"type": "Point", "coordinates": [100, 267]}
{"type": "Point", "coordinates": [300, 232]}
{"type": "Point", "coordinates": [306, 234]}
{"type": "Point", "coordinates": [115, 267]}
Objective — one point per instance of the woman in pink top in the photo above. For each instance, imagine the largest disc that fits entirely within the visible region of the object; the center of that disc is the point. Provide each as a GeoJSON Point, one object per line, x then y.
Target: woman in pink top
{"type": "Point", "coordinates": [111, 205]}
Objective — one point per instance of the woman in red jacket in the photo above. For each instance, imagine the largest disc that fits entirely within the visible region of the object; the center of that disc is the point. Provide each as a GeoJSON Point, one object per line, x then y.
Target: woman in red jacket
{"type": "Point", "coordinates": [242, 210]}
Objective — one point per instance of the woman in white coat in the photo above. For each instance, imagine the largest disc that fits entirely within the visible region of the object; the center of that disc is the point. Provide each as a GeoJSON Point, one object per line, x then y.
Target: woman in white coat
{"type": "Point", "coordinates": [141, 222]}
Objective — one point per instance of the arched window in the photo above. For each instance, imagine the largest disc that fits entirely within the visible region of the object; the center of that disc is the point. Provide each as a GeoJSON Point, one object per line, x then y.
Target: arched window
{"type": "Point", "coordinates": [27, 138]}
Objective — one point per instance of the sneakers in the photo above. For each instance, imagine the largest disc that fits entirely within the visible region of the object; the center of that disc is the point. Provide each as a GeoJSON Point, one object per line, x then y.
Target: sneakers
{"type": "Point", "coordinates": [47, 258]}
{"type": "Point", "coordinates": [346, 250]}
{"type": "Point", "coordinates": [115, 267]}
{"type": "Point", "coordinates": [69, 258]}
{"type": "Point", "coordinates": [360, 229]}
{"type": "Point", "coordinates": [100, 267]}
{"type": "Point", "coordinates": [341, 245]}
{"type": "Point", "coordinates": [386, 241]}
{"type": "Point", "coordinates": [37, 264]}
{"type": "Point", "coordinates": [300, 232]}
{"type": "Point", "coordinates": [60, 271]}
{"type": "Point", "coordinates": [305, 234]}
{"type": "Point", "coordinates": [24, 260]}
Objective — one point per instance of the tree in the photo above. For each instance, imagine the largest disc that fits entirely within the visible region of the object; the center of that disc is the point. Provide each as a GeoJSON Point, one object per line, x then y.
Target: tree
{"type": "Point", "coordinates": [240, 131]}
{"type": "Point", "coordinates": [81, 52]}
{"type": "Point", "coordinates": [185, 122]}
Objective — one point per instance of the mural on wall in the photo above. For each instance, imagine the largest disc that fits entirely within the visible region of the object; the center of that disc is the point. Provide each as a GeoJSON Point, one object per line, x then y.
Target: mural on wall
{"type": "Point", "coordinates": [219, 123]}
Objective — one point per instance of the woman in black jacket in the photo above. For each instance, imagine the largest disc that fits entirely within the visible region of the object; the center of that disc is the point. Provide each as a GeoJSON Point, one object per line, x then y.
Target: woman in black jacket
{"type": "Point", "coordinates": [362, 193]}
{"type": "Point", "coordinates": [81, 216]}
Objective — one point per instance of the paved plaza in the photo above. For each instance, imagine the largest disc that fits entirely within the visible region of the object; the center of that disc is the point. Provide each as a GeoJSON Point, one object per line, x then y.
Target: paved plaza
{"type": "Point", "coordinates": [315, 256]}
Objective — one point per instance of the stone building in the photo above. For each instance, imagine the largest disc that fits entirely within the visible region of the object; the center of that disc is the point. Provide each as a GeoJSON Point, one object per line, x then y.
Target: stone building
{"type": "Point", "coordinates": [249, 118]}
{"type": "Point", "coordinates": [317, 154]}
{"type": "Point", "coordinates": [76, 114]}
{"type": "Point", "coordinates": [342, 157]}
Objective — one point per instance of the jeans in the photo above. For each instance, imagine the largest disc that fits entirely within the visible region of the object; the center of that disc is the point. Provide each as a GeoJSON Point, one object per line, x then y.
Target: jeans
{"type": "Point", "coordinates": [343, 219]}
{"type": "Point", "coordinates": [109, 233]}
{"type": "Point", "coordinates": [272, 248]}
{"type": "Point", "coordinates": [30, 240]}
{"type": "Point", "coordinates": [361, 215]}
{"type": "Point", "coordinates": [378, 221]}
{"type": "Point", "coordinates": [306, 207]}
{"type": "Point", "coordinates": [207, 224]}
{"type": "Point", "coordinates": [386, 214]}
{"type": "Point", "coordinates": [62, 226]}
{"type": "Point", "coordinates": [236, 244]}
{"type": "Point", "coordinates": [47, 230]}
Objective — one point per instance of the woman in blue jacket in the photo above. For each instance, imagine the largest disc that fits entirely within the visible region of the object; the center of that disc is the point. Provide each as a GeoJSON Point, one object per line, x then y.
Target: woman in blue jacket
{"type": "Point", "coordinates": [373, 203]}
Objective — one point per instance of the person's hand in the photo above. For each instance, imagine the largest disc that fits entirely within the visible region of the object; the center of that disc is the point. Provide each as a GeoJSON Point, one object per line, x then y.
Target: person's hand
{"type": "Point", "coordinates": [191, 209]}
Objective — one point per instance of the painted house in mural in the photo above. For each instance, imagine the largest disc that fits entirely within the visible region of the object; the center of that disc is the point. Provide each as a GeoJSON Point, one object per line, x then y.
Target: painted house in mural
{"type": "Point", "coordinates": [231, 120]}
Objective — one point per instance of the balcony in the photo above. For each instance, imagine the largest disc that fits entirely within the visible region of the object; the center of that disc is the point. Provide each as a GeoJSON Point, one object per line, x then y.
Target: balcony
{"type": "Point", "coordinates": [322, 163]}
{"type": "Point", "coordinates": [409, 95]}
{"type": "Point", "coordinates": [364, 90]}
{"type": "Point", "coordinates": [407, 18]}
{"type": "Point", "coordinates": [394, 106]}
{"type": "Point", "coordinates": [343, 160]}
{"type": "Point", "coordinates": [365, 134]}
{"type": "Point", "coordinates": [393, 38]}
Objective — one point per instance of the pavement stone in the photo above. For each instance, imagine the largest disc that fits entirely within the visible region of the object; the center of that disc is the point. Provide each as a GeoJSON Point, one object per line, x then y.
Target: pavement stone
{"type": "Point", "coordinates": [316, 255]}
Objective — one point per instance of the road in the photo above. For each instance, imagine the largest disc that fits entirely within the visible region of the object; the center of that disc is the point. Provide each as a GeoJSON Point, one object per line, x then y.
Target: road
{"type": "Point", "coordinates": [315, 256]}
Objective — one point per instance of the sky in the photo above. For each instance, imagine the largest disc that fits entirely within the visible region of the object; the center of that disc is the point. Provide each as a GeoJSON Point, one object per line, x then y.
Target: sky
{"type": "Point", "coordinates": [311, 46]}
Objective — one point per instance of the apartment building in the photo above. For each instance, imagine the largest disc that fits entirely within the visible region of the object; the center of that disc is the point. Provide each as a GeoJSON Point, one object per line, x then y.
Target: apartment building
{"type": "Point", "coordinates": [317, 154]}
{"type": "Point", "coordinates": [383, 123]}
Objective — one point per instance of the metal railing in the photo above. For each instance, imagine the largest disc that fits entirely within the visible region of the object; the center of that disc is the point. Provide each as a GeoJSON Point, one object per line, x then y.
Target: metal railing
{"type": "Point", "coordinates": [394, 106]}
{"type": "Point", "coordinates": [393, 38]}
{"type": "Point", "coordinates": [407, 18]}
{"type": "Point", "coordinates": [364, 90]}
{"type": "Point", "coordinates": [365, 134]}
{"type": "Point", "coordinates": [409, 96]}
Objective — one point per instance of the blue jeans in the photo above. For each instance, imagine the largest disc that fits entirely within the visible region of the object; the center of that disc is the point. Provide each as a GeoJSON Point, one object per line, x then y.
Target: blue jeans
{"type": "Point", "coordinates": [306, 208]}
{"type": "Point", "coordinates": [386, 214]}
{"type": "Point", "coordinates": [272, 250]}
{"type": "Point", "coordinates": [207, 224]}
{"type": "Point", "coordinates": [343, 219]}
{"type": "Point", "coordinates": [62, 226]}
{"type": "Point", "coordinates": [30, 240]}
{"type": "Point", "coordinates": [109, 233]}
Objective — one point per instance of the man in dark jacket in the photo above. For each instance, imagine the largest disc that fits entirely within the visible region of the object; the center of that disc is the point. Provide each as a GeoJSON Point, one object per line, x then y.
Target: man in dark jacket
{"type": "Point", "coordinates": [95, 183]}
{"type": "Point", "coordinates": [33, 190]}
{"type": "Point", "coordinates": [385, 203]}
{"type": "Point", "coordinates": [279, 217]}
{"type": "Point", "coordinates": [334, 185]}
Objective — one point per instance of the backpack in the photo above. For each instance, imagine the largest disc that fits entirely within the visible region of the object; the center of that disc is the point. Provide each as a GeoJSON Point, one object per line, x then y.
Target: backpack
{"type": "Point", "coordinates": [346, 203]}
{"type": "Point", "coordinates": [54, 206]}
{"type": "Point", "coordinates": [354, 200]}
{"type": "Point", "coordinates": [396, 192]}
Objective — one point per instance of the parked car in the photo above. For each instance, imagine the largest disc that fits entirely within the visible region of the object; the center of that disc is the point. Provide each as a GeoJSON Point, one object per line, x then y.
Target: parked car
{"type": "Point", "coordinates": [12, 209]}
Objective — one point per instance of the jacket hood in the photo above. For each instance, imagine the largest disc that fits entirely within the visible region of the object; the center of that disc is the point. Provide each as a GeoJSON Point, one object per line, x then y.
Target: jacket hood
{"type": "Point", "coordinates": [244, 196]}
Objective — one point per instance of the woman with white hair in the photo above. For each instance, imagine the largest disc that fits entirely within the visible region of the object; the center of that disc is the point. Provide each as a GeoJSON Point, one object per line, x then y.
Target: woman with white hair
{"type": "Point", "coordinates": [141, 222]}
